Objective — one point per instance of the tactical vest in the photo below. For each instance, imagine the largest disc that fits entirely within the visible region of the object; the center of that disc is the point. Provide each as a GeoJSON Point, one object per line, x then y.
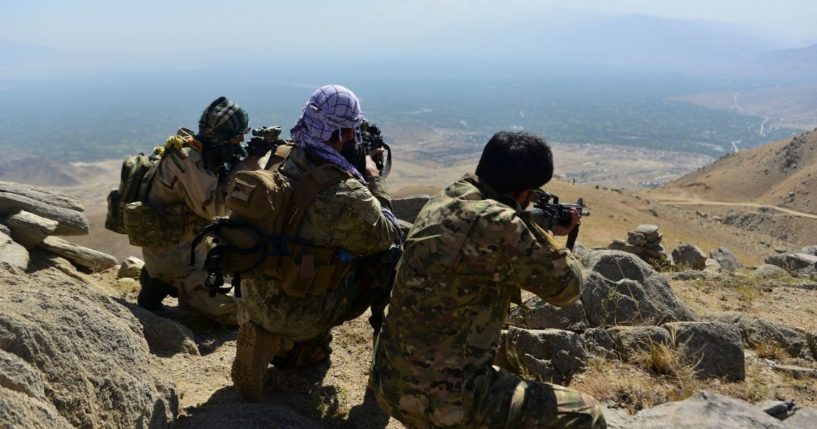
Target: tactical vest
{"type": "Point", "coordinates": [259, 239]}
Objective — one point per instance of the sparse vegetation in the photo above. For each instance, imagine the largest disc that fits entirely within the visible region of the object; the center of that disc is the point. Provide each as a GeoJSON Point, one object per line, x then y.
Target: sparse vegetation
{"type": "Point", "coordinates": [770, 350]}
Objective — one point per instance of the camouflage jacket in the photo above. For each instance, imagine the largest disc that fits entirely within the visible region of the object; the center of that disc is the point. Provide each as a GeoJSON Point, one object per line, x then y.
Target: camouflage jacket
{"type": "Point", "coordinates": [467, 254]}
{"type": "Point", "coordinates": [182, 180]}
{"type": "Point", "coordinates": [346, 215]}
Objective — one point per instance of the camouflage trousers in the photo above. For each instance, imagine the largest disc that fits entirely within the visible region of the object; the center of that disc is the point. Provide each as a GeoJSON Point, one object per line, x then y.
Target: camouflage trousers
{"type": "Point", "coordinates": [498, 400]}
{"type": "Point", "coordinates": [294, 332]}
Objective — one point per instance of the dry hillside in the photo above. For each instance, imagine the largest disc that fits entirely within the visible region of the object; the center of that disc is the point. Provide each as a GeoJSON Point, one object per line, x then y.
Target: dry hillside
{"type": "Point", "coordinates": [766, 190]}
{"type": "Point", "coordinates": [783, 173]}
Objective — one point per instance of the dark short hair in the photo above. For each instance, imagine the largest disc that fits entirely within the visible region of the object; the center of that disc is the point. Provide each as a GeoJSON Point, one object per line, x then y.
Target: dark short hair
{"type": "Point", "coordinates": [513, 162]}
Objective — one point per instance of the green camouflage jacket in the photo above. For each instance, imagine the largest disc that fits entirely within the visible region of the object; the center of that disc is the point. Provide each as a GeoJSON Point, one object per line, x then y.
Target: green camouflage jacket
{"type": "Point", "coordinates": [347, 215]}
{"type": "Point", "coordinates": [466, 256]}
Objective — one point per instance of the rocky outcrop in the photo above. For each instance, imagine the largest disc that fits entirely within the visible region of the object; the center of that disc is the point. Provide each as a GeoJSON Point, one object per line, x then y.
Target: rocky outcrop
{"type": "Point", "coordinates": [548, 355]}
{"type": "Point", "coordinates": [705, 410]}
{"type": "Point", "coordinates": [768, 271]}
{"type": "Point", "coordinates": [622, 289]}
{"type": "Point", "coordinates": [809, 250]}
{"type": "Point", "coordinates": [631, 341]}
{"type": "Point", "coordinates": [70, 353]}
{"type": "Point", "coordinates": [537, 314]}
{"type": "Point", "coordinates": [12, 254]}
{"type": "Point", "coordinates": [645, 242]}
{"type": "Point", "coordinates": [598, 342]}
{"type": "Point", "coordinates": [796, 263]}
{"type": "Point", "coordinates": [32, 215]}
{"type": "Point", "coordinates": [803, 418]}
{"type": "Point", "coordinates": [754, 330]}
{"type": "Point", "coordinates": [725, 259]}
{"type": "Point", "coordinates": [714, 349]}
{"type": "Point", "coordinates": [689, 255]}
{"type": "Point", "coordinates": [29, 229]}
{"type": "Point", "coordinates": [91, 259]}
{"type": "Point", "coordinates": [130, 268]}
{"type": "Point", "coordinates": [66, 211]}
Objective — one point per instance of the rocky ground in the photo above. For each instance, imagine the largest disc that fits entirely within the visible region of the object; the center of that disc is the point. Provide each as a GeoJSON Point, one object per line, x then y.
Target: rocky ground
{"type": "Point", "coordinates": [663, 339]}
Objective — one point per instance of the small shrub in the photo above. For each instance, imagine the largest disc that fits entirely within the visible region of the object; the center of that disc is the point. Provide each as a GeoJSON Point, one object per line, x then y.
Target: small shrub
{"type": "Point", "coordinates": [770, 350]}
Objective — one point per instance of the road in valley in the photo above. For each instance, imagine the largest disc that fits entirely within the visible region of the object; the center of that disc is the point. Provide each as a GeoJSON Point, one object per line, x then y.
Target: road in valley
{"type": "Point", "coordinates": [694, 202]}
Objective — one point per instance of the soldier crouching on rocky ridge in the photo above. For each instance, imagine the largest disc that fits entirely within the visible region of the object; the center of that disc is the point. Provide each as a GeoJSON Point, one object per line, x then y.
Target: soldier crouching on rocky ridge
{"type": "Point", "coordinates": [339, 257]}
{"type": "Point", "coordinates": [191, 184]}
{"type": "Point", "coordinates": [468, 254]}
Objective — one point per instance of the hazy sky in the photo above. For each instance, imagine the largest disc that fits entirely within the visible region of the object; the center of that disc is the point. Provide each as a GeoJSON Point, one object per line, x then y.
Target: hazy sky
{"type": "Point", "coordinates": [205, 30]}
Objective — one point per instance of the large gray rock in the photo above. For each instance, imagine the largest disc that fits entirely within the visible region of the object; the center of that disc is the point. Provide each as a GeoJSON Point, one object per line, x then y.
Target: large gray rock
{"type": "Point", "coordinates": [131, 268]}
{"type": "Point", "coordinates": [541, 315]}
{"type": "Point", "coordinates": [754, 331]}
{"type": "Point", "coordinates": [78, 352]}
{"type": "Point", "coordinates": [811, 339]}
{"type": "Point", "coordinates": [768, 271]}
{"type": "Point", "coordinates": [799, 263]}
{"type": "Point", "coordinates": [29, 229]}
{"type": "Point", "coordinates": [12, 254]}
{"type": "Point", "coordinates": [630, 341]}
{"type": "Point", "coordinates": [809, 250]}
{"type": "Point", "coordinates": [598, 342]}
{"type": "Point", "coordinates": [726, 259]}
{"type": "Point", "coordinates": [65, 210]}
{"type": "Point", "coordinates": [622, 289]}
{"type": "Point", "coordinates": [41, 194]}
{"type": "Point", "coordinates": [408, 207]}
{"type": "Point", "coordinates": [80, 256]}
{"type": "Point", "coordinates": [803, 418]}
{"type": "Point", "coordinates": [650, 232]}
{"type": "Point", "coordinates": [714, 348]}
{"type": "Point", "coordinates": [164, 336]}
{"type": "Point", "coordinates": [705, 410]}
{"type": "Point", "coordinates": [23, 402]}
{"type": "Point", "coordinates": [548, 355]}
{"type": "Point", "coordinates": [689, 255]}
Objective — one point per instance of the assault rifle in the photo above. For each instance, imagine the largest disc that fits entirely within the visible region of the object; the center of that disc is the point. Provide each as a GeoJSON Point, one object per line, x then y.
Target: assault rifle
{"type": "Point", "coordinates": [547, 212]}
{"type": "Point", "coordinates": [263, 140]}
{"type": "Point", "coordinates": [371, 139]}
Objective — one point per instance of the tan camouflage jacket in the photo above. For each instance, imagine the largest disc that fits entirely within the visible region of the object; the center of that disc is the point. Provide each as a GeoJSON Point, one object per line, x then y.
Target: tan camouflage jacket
{"type": "Point", "coordinates": [465, 257]}
{"type": "Point", "coordinates": [182, 178]}
{"type": "Point", "coordinates": [346, 215]}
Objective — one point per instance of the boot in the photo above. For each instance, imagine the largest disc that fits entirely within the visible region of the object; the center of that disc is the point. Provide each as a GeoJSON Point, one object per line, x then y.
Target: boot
{"type": "Point", "coordinates": [254, 350]}
{"type": "Point", "coordinates": [153, 292]}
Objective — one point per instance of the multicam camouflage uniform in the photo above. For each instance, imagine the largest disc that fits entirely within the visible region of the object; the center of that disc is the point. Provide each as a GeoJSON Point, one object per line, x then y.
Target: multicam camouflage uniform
{"type": "Point", "coordinates": [183, 183]}
{"type": "Point", "coordinates": [465, 257]}
{"type": "Point", "coordinates": [346, 215]}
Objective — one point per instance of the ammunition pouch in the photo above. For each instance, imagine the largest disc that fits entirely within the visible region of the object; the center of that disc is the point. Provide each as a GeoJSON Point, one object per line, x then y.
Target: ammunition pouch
{"type": "Point", "coordinates": [296, 268]}
{"type": "Point", "coordinates": [147, 226]}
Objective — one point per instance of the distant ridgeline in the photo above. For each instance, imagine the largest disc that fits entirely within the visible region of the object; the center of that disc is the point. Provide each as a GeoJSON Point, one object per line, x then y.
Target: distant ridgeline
{"type": "Point", "coordinates": [106, 121]}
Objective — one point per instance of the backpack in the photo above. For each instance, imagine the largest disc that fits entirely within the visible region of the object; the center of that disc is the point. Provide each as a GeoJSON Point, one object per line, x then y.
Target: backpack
{"type": "Point", "coordinates": [135, 179]}
{"type": "Point", "coordinates": [259, 239]}
{"type": "Point", "coordinates": [128, 211]}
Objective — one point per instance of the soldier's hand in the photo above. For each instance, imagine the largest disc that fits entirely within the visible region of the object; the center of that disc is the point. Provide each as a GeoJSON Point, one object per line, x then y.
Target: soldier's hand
{"type": "Point", "coordinates": [377, 154]}
{"type": "Point", "coordinates": [575, 219]}
{"type": "Point", "coordinates": [371, 167]}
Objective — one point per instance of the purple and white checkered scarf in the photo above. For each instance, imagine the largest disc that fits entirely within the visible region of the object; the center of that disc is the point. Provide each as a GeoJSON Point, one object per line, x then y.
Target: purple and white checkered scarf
{"type": "Point", "coordinates": [329, 109]}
